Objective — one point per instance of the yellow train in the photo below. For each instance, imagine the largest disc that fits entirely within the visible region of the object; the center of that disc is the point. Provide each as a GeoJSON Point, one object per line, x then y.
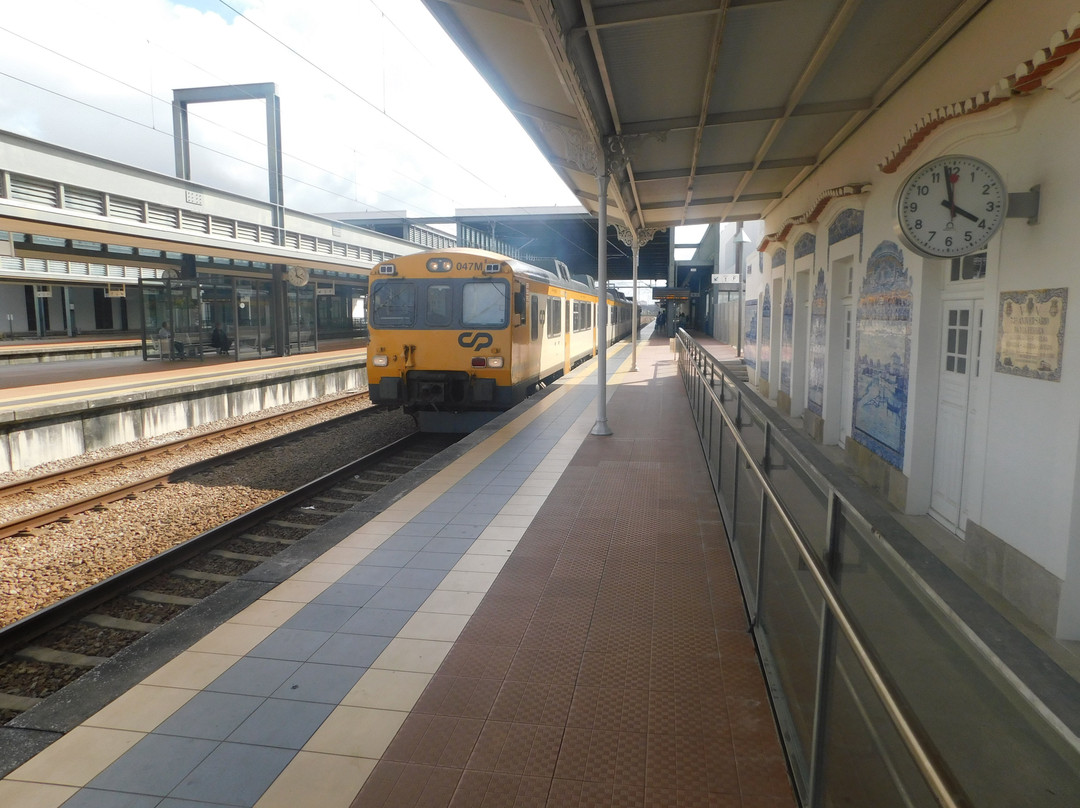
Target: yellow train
{"type": "Point", "coordinates": [458, 336]}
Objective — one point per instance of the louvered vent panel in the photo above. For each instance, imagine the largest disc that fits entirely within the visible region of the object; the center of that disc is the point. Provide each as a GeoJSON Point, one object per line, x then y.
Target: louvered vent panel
{"type": "Point", "coordinates": [226, 228]}
{"type": "Point", "coordinates": [84, 200]}
{"type": "Point", "coordinates": [31, 189]}
{"type": "Point", "coordinates": [130, 210]}
{"type": "Point", "coordinates": [195, 222]}
{"type": "Point", "coordinates": [247, 232]}
{"type": "Point", "coordinates": [161, 215]}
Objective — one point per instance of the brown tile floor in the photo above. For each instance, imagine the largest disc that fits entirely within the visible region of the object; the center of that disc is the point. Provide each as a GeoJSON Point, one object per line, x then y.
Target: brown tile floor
{"type": "Point", "coordinates": [609, 664]}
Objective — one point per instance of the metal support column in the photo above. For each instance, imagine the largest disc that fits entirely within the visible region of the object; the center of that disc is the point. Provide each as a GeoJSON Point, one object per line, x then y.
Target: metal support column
{"type": "Point", "coordinates": [601, 427]}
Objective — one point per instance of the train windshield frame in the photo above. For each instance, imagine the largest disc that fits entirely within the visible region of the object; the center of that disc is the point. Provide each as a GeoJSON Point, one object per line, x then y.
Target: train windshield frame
{"type": "Point", "coordinates": [440, 303]}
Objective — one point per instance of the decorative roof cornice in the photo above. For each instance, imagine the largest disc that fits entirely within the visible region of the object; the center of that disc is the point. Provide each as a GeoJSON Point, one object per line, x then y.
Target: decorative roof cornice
{"type": "Point", "coordinates": [815, 211]}
{"type": "Point", "coordinates": [1026, 79]}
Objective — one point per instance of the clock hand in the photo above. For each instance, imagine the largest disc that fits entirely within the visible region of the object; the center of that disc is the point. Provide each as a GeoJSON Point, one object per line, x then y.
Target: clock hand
{"type": "Point", "coordinates": [951, 192]}
{"type": "Point", "coordinates": [955, 210]}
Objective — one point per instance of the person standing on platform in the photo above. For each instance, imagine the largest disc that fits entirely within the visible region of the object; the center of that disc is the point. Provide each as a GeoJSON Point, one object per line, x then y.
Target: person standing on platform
{"type": "Point", "coordinates": [219, 339]}
{"type": "Point", "coordinates": [165, 338]}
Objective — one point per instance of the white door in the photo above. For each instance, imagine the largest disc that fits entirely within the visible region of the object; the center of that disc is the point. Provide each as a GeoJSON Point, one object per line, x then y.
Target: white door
{"type": "Point", "coordinates": [950, 441]}
{"type": "Point", "coordinates": [847, 398]}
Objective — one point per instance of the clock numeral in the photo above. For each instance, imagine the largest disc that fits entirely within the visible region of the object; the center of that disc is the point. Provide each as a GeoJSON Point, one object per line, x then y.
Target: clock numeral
{"type": "Point", "coordinates": [923, 190]}
{"type": "Point", "coordinates": [986, 189]}
{"type": "Point", "coordinates": [913, 206]}
{"type": "Point", "coordinates": [967, 236]}
{"type": "Point", "coordinates": [918, 224]}
{"type": "Point", "coordinates": [948, 241]}
{"type": "Point", "coordinates": [991, 207]}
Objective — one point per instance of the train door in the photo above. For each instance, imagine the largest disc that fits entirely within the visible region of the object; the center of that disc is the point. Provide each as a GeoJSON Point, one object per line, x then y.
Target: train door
{"type": "Point", "coordinates": [534, 337]}
{"type": "Point", "coordinates": [568, 333]}
{"type": "Point", "coordinates": [847, 397]}
{"type": "Point", "coordinates": [954, 390]}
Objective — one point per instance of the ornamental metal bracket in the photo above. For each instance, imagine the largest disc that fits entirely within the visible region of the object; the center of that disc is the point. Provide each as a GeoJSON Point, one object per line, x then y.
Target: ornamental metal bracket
{"type": "Point", "coordinates": [636, 238]}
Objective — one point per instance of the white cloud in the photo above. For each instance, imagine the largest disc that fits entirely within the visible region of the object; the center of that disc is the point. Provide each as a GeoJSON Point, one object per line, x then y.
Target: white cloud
{"type": "Point", "coordinates": [379, 108]}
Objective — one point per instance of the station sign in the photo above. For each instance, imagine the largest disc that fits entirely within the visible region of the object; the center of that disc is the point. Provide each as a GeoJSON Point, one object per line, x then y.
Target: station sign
{"type": "Point", "coordinates": [719, 278]}
{"type": "Point", "coordinates": [667, 293]}
{"type": "Point", "coordinates": [114, 290]}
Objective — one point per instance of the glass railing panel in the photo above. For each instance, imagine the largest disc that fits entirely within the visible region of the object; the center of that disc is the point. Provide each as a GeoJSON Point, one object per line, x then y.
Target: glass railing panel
{"type": "Point", "coordinates": [746, 535]}
{"type": "Point", "coordinates": [727, 469]}
{"type": "Point", "coordinates": [806, 503]}
{"type": "Point", "coordinates": [865, 761]}
{"type": "Point", "coordinates": [711, 438]}
{"type": "Point", "coordinates": [752, 432]}
{"type": "Point", "coordinates": [995, 745]}
{"type": "Point", "coordinates": [790, 616]}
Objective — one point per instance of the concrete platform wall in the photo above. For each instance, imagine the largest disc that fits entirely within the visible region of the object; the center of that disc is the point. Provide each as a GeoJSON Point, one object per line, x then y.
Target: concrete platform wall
{"type": "Point", "coordinates": [42, 435]}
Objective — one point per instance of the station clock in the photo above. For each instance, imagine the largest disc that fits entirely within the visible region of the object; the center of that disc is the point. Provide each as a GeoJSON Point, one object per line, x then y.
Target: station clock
{"type": "Point", "coordinates": [951, 206]}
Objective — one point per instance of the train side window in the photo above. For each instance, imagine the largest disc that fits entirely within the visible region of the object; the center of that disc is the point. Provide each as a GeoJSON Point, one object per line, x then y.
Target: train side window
{"type": "Point", "coordinates": [534, 311]}
{"type": "Point", "coordinates": [554, 319]}
{"type": "Point", "coordinates": [440, 306]}
{"type": "Point", "coordinates": [519, 303]}
{"type": "Point", "coordinates": [393, 303]}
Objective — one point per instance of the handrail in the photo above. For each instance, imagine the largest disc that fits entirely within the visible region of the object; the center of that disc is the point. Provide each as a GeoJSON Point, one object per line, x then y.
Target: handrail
{"type": "Point", "coordinates": [923, 752]}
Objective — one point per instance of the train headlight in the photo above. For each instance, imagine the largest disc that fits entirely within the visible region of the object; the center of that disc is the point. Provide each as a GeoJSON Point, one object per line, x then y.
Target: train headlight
{"type": "Point", "coordinates": [387, 269]}
{"type": "Point", "coordinates": [439, 265]}
{"type": "Point", "coordinates": [495, 362]}
{"type": "Point", "coordinates": [380, 360]}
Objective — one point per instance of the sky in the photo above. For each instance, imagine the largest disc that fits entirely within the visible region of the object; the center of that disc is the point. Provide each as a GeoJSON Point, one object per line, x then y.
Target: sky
{"type": "Point", "coordinates": [379, 108]}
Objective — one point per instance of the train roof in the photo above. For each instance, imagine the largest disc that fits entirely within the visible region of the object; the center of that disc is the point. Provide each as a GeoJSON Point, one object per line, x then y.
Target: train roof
{"type": "Point", "coordinates": [559, 276]}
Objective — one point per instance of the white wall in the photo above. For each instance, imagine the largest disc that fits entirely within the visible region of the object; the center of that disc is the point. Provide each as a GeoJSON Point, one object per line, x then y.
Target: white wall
{"type": "Point", "coordinates": [1022, 473]}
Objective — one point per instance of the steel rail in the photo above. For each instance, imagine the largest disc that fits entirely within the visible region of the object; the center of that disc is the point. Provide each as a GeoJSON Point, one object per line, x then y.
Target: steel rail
{"type": "Point", "coordinates": [101, 498]}
{"type": "Point", "coordinates": [945, 789]}
{"type": "Point", "coordinates": [22, 631]}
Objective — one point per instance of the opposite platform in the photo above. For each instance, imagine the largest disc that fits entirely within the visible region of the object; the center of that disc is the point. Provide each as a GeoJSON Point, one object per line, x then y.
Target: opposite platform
{"type": "Point", "coordinates": [552, 619]}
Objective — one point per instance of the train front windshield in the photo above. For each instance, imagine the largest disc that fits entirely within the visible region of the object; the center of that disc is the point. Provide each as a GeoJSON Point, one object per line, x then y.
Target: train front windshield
{"type": "Point", "coordinates": [440, 303]}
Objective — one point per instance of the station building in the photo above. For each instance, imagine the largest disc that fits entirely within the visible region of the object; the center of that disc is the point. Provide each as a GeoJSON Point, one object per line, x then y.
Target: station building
{"type": "Point", "coordinates": [949, 377]}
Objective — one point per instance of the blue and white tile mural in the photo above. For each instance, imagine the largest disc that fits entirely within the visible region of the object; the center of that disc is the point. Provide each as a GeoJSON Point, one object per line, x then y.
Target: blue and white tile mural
{"type": "Point", "coordinates": [847, 223]}
{"type": "Point", "coordinates": [805, 245]}
{"type": "Point", "coordinates": [815, 394]}
{"type": "Point", "coordinates": [750, 337]}
{"type": "Point", "coordinates": [787, 332]}
{"type": "Point", "coordinates": [883, 355]}
{"type": "Point", "coordinates": [764, 344]}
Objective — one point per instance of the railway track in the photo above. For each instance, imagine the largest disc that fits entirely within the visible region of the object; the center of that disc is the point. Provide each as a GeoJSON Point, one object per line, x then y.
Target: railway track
{"type": "Point", "coordinates": [59, 480]}
{"type": "Point", "coordinates": [44, 652]}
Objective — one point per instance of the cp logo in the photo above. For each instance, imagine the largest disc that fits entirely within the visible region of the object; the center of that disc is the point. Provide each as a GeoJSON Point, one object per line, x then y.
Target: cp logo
{"type": "Point", "coordinates": [475, 339]}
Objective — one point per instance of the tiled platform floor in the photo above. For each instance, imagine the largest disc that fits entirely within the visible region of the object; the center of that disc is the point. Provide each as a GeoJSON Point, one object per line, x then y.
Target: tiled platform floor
{"type": "Point", "coordinates": [551, 620]}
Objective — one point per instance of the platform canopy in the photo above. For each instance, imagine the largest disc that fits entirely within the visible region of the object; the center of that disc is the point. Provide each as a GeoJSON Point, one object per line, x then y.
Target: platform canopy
{"type": "Point", "coordinates": [704, 110]}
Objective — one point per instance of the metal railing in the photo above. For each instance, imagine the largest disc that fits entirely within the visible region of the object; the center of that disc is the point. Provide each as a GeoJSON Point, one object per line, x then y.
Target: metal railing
{"type": "Point", "coordinates": [882, 697]}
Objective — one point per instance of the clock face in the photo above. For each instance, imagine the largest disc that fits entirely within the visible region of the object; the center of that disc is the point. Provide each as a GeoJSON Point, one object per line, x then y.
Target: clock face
{"type": "Point", "coordinates": [297, 275]}
{"type": "Point", "coordinates": [951, 206]}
